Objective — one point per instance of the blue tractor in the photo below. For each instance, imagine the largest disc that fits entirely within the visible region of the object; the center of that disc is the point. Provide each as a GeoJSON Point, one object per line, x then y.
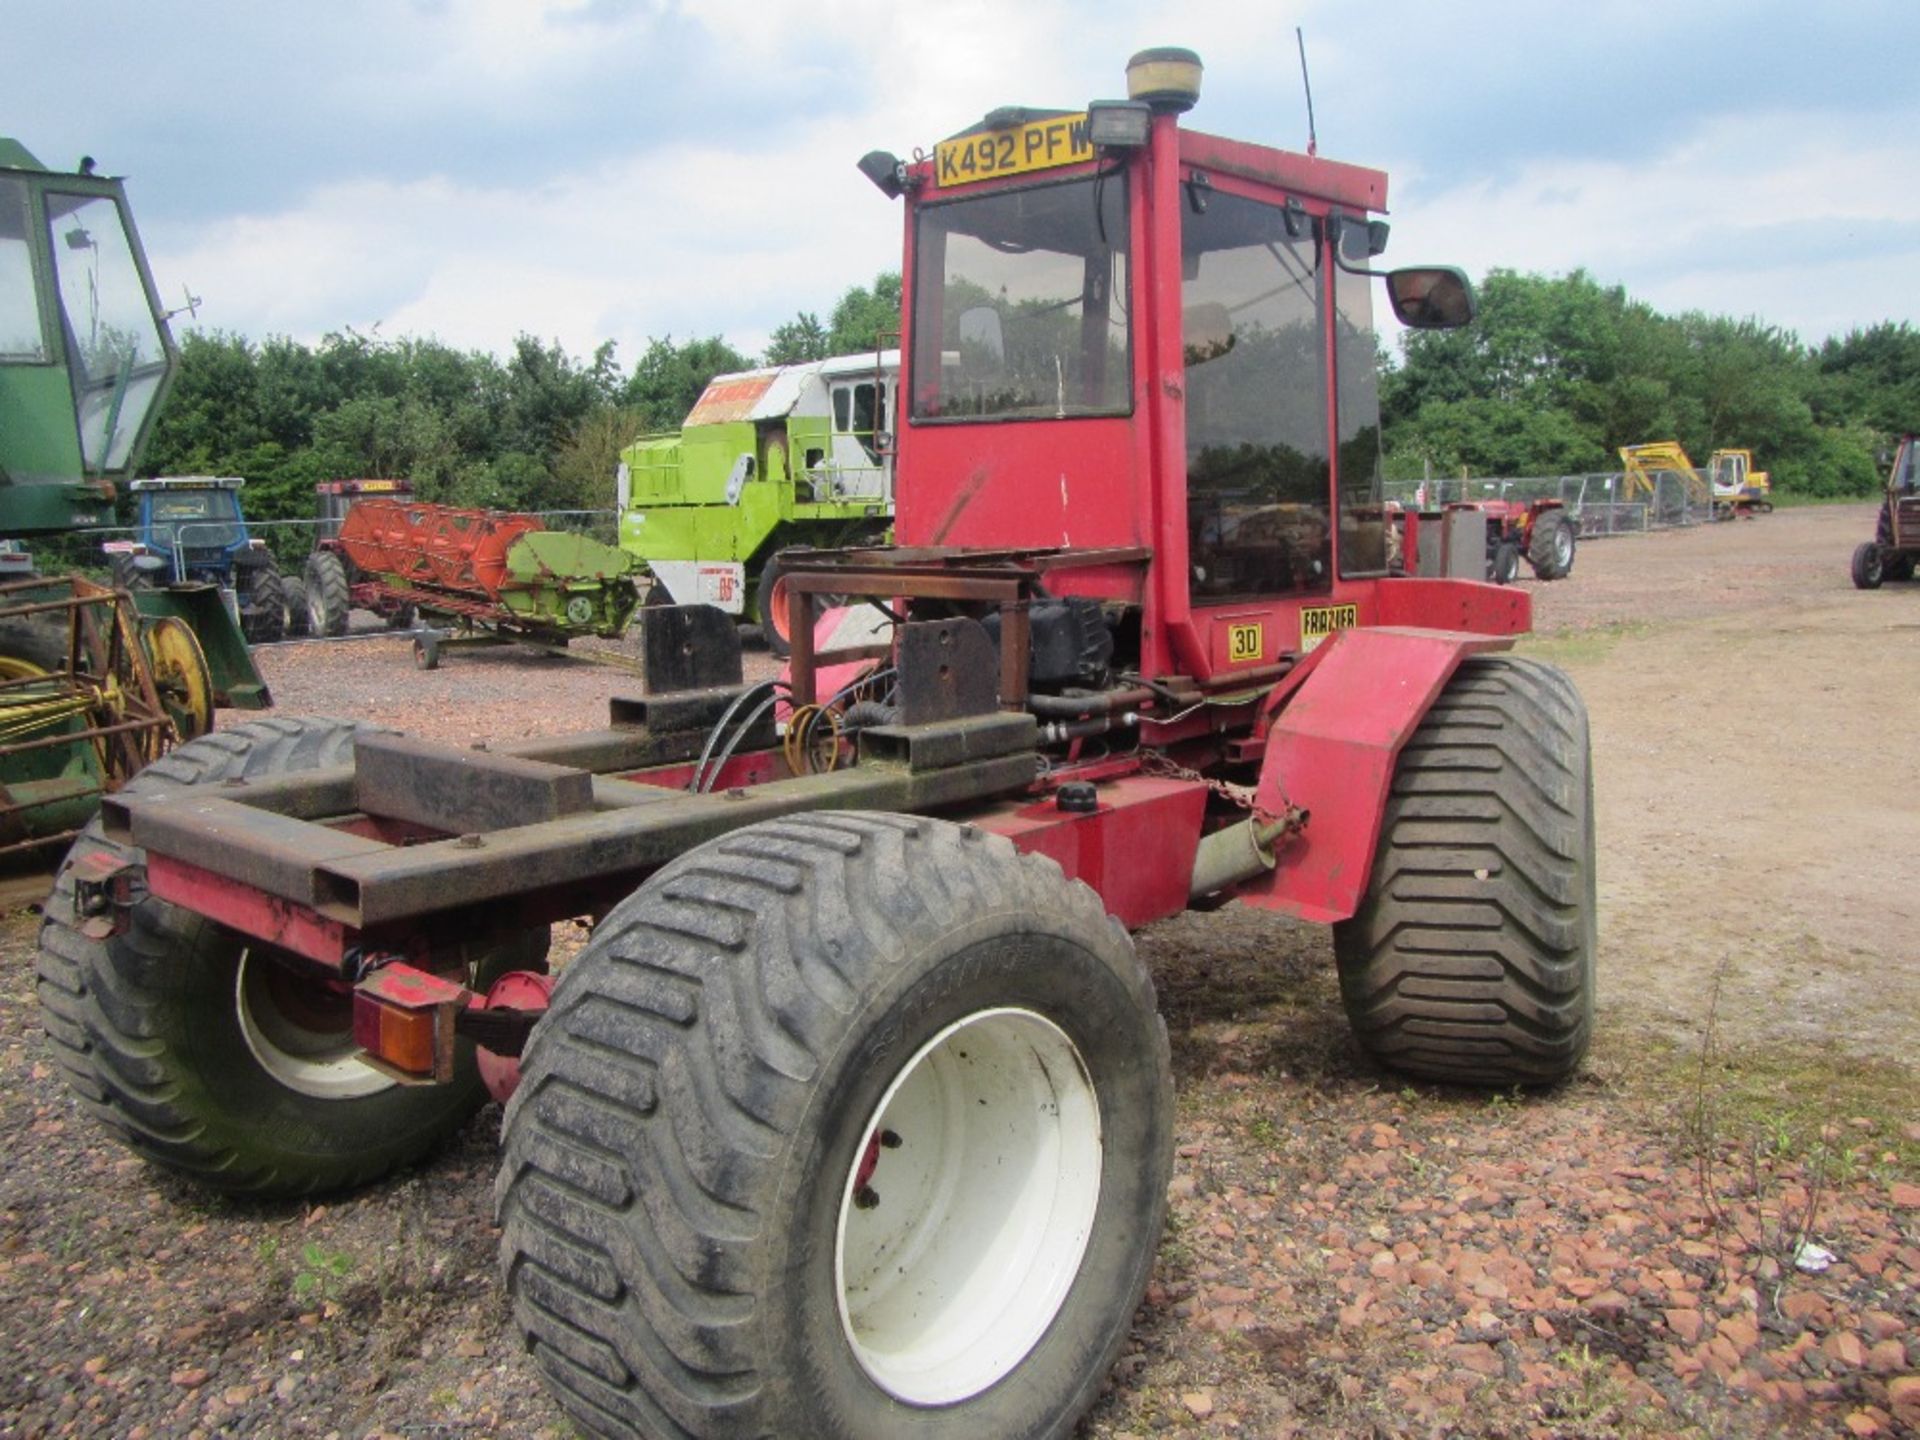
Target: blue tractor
{"type": "Point", "coordinates": [190, 528]}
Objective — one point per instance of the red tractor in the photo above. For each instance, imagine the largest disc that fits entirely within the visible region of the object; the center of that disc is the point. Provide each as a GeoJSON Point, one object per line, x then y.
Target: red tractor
{"type": "Point", "coordinates": [1539, 531]}
{"type": "Point", "coordinates": [855, 1117]}
{"type": "Point", "coordinates": [332, 583]}
{"type": "Point", "coordinates": [1895, 547]}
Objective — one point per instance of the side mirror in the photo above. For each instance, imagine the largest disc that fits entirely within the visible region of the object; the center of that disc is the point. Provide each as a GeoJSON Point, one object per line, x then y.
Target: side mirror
{"type": "Point", "coordinates": [1431, 298]}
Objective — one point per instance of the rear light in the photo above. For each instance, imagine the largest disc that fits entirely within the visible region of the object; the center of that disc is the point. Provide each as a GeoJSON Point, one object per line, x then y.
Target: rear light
{"type": "Point", "coordinates": [403, 1020]}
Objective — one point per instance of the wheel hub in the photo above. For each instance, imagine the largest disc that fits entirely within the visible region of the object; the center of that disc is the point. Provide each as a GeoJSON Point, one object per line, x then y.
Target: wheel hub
{"type": "Point", "coordinates": [301, 1031]}
{"type": "Point", "coordinates": [967, 1210]}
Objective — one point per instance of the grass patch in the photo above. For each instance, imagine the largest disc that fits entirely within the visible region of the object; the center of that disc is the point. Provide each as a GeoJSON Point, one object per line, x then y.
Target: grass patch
{"type": "Point", "coordinates": [1789, 500]}
{"type": "Point", "coordinates": [1586, 645]}
{"type": "Point", "coordinates": [1791, 1099]}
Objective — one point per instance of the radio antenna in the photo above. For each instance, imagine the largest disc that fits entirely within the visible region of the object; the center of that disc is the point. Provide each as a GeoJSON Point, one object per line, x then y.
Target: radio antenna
{"type": "Point", "coordinates": [1313, 139]}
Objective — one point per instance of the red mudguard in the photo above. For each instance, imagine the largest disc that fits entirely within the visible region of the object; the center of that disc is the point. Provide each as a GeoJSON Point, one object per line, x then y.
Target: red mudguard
{"type": "Point", "coordinates": [1332, 752]}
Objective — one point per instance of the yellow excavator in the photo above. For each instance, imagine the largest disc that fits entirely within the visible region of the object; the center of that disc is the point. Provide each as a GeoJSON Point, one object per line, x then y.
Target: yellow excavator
{"type": "Point", "coordinates": [1729, 485]}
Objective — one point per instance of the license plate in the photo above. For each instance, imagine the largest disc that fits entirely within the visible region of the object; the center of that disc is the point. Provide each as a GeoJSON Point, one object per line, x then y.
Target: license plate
{"type": "Point", "coordinates": [1244, 643]}
{"type": "Point", "coordinates": [1037, 145]}
{"type": "Point", "coordinates": [1319, 621]}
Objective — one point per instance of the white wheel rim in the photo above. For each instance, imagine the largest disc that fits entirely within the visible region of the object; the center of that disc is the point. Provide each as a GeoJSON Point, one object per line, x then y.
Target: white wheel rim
{"type": "Point", "coordinates": [953, 1259]}
{"type": "Point", "coordinates": [303, 1052]}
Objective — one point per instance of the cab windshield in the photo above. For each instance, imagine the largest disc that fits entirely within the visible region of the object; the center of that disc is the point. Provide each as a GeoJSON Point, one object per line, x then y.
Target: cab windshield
{"type": "Point", "coordinates": [113, 339]}
{"type": "Point", "coordinates": [21, 336]}
{"type": "Point", "coordinates": [1020, 304]}
{"type": "Point", "coordinates": [1255, 322]}
{"type": "Point", "coordinates": [1254, 328]}
{"type": "Point", "coordinates": [197, 519]}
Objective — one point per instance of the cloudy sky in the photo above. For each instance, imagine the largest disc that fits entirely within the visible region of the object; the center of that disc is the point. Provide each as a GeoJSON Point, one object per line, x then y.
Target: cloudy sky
{"type": "Point", "coordinates": [584, 170]}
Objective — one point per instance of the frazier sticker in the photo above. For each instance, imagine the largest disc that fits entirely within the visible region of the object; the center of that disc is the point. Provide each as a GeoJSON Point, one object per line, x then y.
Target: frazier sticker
{"type": "Point", "coordinates": [1319, 621]}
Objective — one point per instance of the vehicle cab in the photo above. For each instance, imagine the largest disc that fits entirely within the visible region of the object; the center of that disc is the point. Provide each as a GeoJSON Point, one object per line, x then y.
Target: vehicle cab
{"type": "Point", "coordinates": [1125, 336]}
{"type": "Point", "coordinates": [85, 354]}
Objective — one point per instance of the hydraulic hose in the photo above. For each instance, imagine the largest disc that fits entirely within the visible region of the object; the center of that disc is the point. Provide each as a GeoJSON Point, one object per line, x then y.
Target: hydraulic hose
{"type": "Point", "coordinates": [1076, 707]}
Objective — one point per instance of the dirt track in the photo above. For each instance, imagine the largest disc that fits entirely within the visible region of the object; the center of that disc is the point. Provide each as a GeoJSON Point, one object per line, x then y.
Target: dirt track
{"type": "Point", "coordinates": [1347, 1256]}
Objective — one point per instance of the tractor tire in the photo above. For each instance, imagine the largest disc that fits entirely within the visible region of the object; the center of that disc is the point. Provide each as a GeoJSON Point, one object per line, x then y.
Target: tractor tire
{"type": "Point", "coordinates": [126, 575]}
{"type": "Point", "coordinates": [848, 1124]}
{"type": "Point", "coordinates": [293, 605]}
{"type": "Point", "coordinates": [1503, 567]}
{"type": "Point", "coordinates": [203, 1054]}
{"type": "Point", "coordinates": [1551, 547]}
{"type": "Point", "coordinates": [263, 610]}
{"type": "Point", "coordinates": [327, 597]}
{"type": "Point", "coordinates": [770, 600]}
{"type": "Point", "coordinates": [1869, 566]}
{"type": "Point", "coordinates": [36, 642]}
{"type": "Point", "coordinates": [1471, 959]}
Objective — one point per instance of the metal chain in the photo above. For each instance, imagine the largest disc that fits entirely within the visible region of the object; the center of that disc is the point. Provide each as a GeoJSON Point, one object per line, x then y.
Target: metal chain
{"type": "Point", "coordinates": [1158, 762]}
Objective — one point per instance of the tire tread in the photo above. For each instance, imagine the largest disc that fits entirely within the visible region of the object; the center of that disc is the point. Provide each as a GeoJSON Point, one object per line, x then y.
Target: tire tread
{"type": "Point", "coordinates": [771, 936]}
{"type": "Point", "coordinates": [1471, 958]}
{"type": "Point", "coordinates": [103, 1003]}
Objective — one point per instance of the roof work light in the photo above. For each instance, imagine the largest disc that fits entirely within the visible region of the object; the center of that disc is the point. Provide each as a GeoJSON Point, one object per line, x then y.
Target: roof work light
{"type": "Point", "coordinates": [1118, 124]}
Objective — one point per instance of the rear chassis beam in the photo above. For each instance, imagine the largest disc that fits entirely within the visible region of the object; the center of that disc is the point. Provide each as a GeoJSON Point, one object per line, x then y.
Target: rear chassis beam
{"type": "Point", "coordinates": [417, 840]}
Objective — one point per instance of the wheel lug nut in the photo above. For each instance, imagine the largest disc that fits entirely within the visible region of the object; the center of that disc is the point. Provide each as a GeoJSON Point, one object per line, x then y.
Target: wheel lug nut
{"type": "Point", "coordinates": [865, 1198]}
{"type": "Point", "coordinates": [890, 1140]}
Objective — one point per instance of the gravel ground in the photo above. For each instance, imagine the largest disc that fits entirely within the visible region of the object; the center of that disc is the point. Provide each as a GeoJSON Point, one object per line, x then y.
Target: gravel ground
{"type": "Point", "coordinates": [1347, 1256]}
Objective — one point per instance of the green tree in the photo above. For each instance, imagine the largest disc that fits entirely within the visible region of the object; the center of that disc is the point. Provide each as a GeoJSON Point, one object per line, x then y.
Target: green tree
{"type": "Point", "coordinates": [669, 378]}
{"type": "Point", "coordinates": [1870, 377]}
{"type": "Point", "coordinates": [865, 319]}
{"type": "Point", "coordinates": [583, 471]}
{"type": "Point", "coordinates": [212, 410]}
{"type": "Point", "coordinates": [801, 338]}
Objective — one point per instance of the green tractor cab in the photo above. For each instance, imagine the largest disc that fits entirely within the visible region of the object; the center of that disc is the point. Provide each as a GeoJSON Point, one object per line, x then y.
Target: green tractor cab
{"type": "Point", "coordinates": [85, 363]}
{"type": "Point", "coordinates": [85, 356]}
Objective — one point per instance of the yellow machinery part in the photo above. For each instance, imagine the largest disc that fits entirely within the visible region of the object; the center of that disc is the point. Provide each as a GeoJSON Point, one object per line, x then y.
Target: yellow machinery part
{"type": "Point", "coordinates": [180, 674]}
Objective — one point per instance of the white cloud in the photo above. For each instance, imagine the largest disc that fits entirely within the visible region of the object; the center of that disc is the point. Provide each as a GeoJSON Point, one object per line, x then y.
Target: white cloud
{"type": "Point", "coordinates": [724, 200]}
{"type": "Point", "coordinates": [688, 241]}
{"type": "Point", "coordinates": [1784, 216]}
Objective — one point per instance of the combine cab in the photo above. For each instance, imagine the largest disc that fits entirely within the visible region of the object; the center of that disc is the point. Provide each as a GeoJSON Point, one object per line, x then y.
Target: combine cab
{"type": "Point", "coordinates": [768, 460]}
{"type": "Point", "coordinates": [855, 1117]}
{"type": "Point", "coordinates": [85, 362]}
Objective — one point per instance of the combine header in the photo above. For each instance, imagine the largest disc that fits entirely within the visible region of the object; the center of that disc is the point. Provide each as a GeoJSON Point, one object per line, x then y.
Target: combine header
{"type": "Point", "coordinates": [504, 574]}
{"type": "Point", "coordinates": [855, 1118]}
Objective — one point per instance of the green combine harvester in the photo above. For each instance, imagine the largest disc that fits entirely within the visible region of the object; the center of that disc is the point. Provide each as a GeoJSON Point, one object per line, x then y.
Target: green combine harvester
{"type": "Point", "coordinates": [92, 683]}
{"type": "Point", "coordinates": [769, 460]}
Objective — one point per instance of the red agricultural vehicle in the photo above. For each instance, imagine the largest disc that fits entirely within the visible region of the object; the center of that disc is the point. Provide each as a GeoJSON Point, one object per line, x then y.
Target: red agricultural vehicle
{"type": "Point", "coordinates": [1894, 550]}
{"type": "Point", "coordinates": [1540, 531]}
{"type": "Point", "coordinates": [855, 1116]}
{"type": "Point", "coordinates": [332, 584]}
